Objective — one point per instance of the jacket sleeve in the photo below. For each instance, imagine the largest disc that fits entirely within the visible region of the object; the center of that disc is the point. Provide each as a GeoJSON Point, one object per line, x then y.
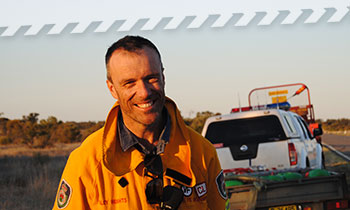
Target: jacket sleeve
{"type": "Point", "coordinates": [71, 193]}
{"type": "Point", "coordinates": [216, 185]}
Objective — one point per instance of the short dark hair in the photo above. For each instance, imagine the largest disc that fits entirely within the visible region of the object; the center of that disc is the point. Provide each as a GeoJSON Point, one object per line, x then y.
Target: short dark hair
{"type": "Point", "coordinates": [130, 44]}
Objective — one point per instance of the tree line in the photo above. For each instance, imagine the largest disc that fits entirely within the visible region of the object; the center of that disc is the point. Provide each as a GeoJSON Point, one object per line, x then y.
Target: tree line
{"type": "Point", "coordinates": [46, 132]}
{"type": "Point", "coordinates": [335, 124]}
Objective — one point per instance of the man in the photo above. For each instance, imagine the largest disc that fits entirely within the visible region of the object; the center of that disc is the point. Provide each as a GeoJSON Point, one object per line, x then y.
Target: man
{"type": "Point", "coordinates": [144, 157]}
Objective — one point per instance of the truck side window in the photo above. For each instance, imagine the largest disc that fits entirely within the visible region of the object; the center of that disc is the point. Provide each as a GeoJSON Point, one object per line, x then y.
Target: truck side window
{"type": "Point", "coordinates": [304, 128]}
{"type": "Point", "coordinates": [301, 126]}
{"type": "Point", "coordinates": [289, 123]}
{"type": "Point", "coordinates": [308, 133]}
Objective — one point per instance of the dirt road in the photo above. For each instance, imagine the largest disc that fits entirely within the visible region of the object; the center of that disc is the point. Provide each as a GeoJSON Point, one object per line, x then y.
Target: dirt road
{"type": "Point", "coordinates": [341, 143]}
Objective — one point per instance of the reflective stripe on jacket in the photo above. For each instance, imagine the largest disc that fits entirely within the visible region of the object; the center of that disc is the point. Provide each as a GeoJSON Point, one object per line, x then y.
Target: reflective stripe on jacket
{"type": "Point", "coordinates": [98, 175]}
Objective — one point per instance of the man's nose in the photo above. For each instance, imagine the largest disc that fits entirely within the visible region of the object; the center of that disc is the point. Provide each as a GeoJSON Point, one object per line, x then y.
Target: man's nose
{"type": "Point", "coordinates": [144, 90]}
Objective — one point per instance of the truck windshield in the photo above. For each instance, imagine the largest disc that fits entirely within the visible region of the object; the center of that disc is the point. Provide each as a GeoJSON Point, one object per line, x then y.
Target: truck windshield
{"type": "Point", "coordinates": [249, 130]}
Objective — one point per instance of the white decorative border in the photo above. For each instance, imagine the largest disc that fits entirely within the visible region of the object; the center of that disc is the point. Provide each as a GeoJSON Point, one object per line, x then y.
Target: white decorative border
{"type": "Point", "coordinates": [60, 13]}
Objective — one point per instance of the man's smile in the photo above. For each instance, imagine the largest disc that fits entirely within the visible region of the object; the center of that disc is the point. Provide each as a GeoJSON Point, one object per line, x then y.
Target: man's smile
{"type": "Point", "coordinates": [145, 105]}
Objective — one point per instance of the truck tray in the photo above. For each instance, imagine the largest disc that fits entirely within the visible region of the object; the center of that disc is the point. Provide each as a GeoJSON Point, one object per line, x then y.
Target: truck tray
{"type": "Point", "coordinates": [242, 197]}
{"type": "Point", "coordinates": [305, 190]}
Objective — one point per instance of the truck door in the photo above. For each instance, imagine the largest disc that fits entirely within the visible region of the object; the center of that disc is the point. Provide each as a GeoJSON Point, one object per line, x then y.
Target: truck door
{"type": "Point", "coordinates": [308, 141]}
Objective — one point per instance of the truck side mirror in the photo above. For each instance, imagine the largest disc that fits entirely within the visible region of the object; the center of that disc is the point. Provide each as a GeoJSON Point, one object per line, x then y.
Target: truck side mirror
{"type": "Point", "coordinates": [318, 131]}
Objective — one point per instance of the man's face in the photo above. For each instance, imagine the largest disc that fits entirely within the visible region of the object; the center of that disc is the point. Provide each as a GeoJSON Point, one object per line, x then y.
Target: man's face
{"type": "Point", "coordinates": [138, 84]}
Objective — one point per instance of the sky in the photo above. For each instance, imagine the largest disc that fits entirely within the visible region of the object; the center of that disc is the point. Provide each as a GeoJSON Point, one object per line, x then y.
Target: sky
{"type": "Point", "coordinates": [206, 69]}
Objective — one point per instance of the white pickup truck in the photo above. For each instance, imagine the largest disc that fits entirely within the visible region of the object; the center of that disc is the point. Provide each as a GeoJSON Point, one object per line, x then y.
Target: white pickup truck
{"type": "Point", "coordinates": [264, 138]}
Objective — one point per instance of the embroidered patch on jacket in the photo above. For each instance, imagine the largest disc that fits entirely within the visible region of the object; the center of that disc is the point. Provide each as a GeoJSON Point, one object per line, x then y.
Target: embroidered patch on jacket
{"type": "Point", "coordinates": [201, 189]}
{"type": "Point", "coordinates": [187, 191]}
{"type": "Point", "coordinates": [64, 194]}
{"type": "Point", "coordinates": [220, 183]}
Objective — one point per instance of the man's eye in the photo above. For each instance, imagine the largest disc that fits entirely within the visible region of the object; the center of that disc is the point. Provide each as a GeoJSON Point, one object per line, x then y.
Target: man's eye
{"type": "Point", "coordinates": [153, 80]}
{"type": "Point", "coordinates": [128, 83]}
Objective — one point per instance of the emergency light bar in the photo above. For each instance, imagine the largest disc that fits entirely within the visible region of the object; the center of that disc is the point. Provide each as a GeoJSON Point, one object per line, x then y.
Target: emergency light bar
{"type": "Point", "coordinates": [278, 94]}
{"type": "Point", "coordinates": [285, 106]}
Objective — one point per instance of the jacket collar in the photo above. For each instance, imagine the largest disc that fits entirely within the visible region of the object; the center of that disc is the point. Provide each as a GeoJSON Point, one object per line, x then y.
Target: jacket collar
{"type": "Point", "coordinates": [176, 156]}
{"type": "Point", "coordinates": [128, 139]}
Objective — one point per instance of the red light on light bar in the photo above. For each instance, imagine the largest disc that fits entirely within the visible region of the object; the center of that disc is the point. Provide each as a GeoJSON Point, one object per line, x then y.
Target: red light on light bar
{"type": "Point", "coordinates": [307, 208]}
{"type": "Point", "coordinates": [218, 145]}
{"type": "Point", "coordinates": [242, 109]}
{"type": "Point", "coordinates": [341, 204]}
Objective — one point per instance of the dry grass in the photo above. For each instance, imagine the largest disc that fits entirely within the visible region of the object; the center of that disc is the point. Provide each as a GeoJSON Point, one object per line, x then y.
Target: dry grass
{"type": "Point", "coordinates": [29, 182]}
{"type": "Point", "coordinates": [23, 150]}
{"type": "Point", "coordinates": [29, 177]}
{"type": "Point", "coordinates": [337, 164]}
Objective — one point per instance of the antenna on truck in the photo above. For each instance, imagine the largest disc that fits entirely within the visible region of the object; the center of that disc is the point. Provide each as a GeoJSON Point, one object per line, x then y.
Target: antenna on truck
{"type": "Point", "coordinates": [239, 102]}
{"type": "Point", "coordinates": [277, 101]}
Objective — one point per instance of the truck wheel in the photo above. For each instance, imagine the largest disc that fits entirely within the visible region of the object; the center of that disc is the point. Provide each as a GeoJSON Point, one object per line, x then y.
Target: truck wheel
{"type": "Point", "coordinates": [307, 163]}
{"type": "Point", "coordinates": [323, 166]}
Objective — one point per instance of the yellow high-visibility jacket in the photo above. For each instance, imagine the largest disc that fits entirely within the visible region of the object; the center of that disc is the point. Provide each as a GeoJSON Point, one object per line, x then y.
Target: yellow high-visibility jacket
{"type": "Point", "coordinates": [99, 175]}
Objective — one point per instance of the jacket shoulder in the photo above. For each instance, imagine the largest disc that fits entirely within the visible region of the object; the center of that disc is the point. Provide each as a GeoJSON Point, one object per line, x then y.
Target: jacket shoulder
{"type": "Point", "coordinates": [203, 153]}
{"type": "Point", "coordinates": [198, 141]}
{"type": "Point", "coordinates": [88, 156]}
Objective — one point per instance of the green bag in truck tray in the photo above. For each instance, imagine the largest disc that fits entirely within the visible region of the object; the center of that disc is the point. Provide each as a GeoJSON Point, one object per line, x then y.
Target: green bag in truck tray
{"type": "Point", "coordinates": [317, 173]}
{"type": "Point", "coordinates": [291, 175]}
{"type": "Point", "coordinates": [273, 178]}
{"type": "Point", "coordinates": [230, 183]}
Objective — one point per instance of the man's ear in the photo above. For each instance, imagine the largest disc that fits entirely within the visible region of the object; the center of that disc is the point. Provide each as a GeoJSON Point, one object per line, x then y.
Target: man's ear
{"type": "Point", "coordinates": [163, 77]}
{"type": "Point", "coordinates": [112, 89]}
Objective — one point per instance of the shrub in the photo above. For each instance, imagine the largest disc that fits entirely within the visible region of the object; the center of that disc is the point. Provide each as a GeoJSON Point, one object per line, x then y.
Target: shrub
{"type": "Point", "coordinates": [5, 140]}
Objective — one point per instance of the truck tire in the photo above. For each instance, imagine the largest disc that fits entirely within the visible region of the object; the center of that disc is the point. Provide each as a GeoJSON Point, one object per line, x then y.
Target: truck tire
{"type": "Point", "coordinates": [323, 166]}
